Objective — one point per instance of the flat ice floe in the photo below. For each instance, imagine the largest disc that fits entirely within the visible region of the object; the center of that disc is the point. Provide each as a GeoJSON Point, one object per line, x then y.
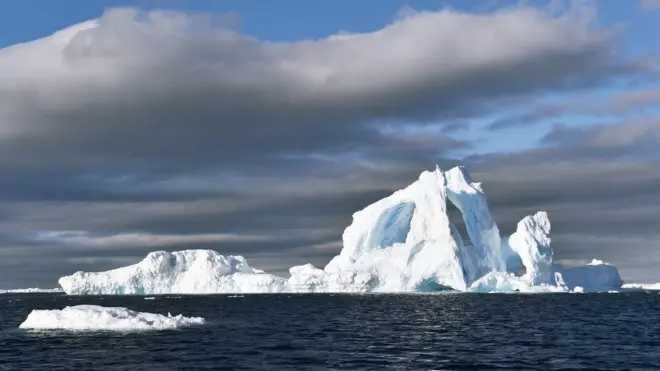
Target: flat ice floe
{"type": "Point", "coordinates": [34, 290]}
{"type": "Point", "coordinates": [94, 317]}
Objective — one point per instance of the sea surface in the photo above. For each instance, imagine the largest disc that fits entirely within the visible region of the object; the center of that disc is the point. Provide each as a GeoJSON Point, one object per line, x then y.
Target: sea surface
{"type": "Point", "coordinates": [350, 332]}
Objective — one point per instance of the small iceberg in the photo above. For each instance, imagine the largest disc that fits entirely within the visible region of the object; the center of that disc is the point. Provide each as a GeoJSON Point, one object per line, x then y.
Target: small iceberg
{"type": "Point", "coordinates": [94, 317]}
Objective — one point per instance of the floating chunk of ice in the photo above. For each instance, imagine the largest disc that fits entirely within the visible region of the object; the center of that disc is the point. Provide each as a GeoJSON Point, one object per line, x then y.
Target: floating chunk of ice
{"type": "Point", "coordinates": [93, 317]}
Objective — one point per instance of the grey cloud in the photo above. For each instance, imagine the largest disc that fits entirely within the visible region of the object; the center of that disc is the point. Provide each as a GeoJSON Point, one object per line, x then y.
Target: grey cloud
{"type": "Point", "coordinates": [626, 135]}
{"type": "Point", "coordinates": [618, 103]}
{"type": "Point", "coordinates": [528, 118]}
{"type": "Point", "coordinates": [596, 201]}
{"type": "Point", "coordinates": [564, 135]}
{"type": "Point", "coordinates": [162, 88]}
{"type": "Point", "coordinates": [54, 185]}
{"type": "Point", "coordinates": [639, 134]}
{"type": "Point", "coordinates": [634, 99]}
{"type": "Point", "coordinates": [649, 4]}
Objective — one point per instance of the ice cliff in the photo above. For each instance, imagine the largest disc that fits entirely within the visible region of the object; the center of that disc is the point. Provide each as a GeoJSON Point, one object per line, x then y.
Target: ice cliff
{"type": "Point", "coordinates": [402, 243]}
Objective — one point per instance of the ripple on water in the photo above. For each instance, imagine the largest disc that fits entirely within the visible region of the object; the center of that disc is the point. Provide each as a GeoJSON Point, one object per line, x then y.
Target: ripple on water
{"type": "Point", "coordinates": [344, 332]}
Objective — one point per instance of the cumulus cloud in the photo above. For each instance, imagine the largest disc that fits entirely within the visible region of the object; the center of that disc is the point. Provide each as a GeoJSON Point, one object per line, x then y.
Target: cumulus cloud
{"type": "Point", "coordinates": [151, 88]}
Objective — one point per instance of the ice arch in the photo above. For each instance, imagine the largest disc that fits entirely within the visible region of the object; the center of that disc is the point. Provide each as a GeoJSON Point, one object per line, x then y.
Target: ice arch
{"type": "Point", "coordinates": [392, 226]}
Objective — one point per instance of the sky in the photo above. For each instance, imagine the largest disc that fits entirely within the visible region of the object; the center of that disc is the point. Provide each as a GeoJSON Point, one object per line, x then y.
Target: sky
{"type": "Point", "coordinates": [259, 128]}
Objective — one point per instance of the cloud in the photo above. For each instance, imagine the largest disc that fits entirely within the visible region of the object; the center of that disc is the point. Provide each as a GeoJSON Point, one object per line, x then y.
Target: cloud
{"type": "Point", "coordinates": [639, 134]}
{"type": "Point", "coordinates": [82, 238]}
{"type": "Point", "coordinates": [629, 134]}
{"type": "Point", "coordinates": [617, 103]}
{"type": "Point", "coordinates": [649, 4]}
{"type": "Point", "coordinates": [164, 129]}
{"type": "Point", "coordinates": [634, 99]}
{"type": "Point", "coordinates": [166, 89]}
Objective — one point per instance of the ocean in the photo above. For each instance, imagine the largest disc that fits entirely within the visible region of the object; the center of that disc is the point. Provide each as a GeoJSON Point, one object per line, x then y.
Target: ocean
{"type": "Point", "coordinates": [350, 332]}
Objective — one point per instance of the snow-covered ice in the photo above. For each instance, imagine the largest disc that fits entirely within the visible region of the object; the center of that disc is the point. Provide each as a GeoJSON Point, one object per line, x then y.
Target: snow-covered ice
{"type": "Point", "coordinates": [180, 272]}
{"type": "Point", "coordinates": [597, 276]}
{"type": "Point", "coordinates": [32, 290]}
{"type": "Point", "coordinates": [402, 243]}
{"type": "Point", "coordinates": [531, 242]}
{"type": "Point", "coordinates": [93, 317]}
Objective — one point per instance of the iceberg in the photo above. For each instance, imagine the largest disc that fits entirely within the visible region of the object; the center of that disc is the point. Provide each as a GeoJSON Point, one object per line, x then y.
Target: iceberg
{"type": "Point", "coordinates": [180, 272]}
{"type": "Point", "coordinates": [597, 276]}
{"type": "Point", "coordinates": [405, 242]}
{"type": "Point", "coordinates": [531, 242]}
{"type": "Point", "coordinates": [93, 317]}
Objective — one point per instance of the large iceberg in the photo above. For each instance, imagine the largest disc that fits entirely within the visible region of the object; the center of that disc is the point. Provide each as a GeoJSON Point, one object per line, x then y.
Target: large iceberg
{"type": "Point", "coordinates": [406, 242]}
{"type": "Point", "coordinates": [402, 243]}
{"type": "Point", "coordinates": [94, 317]}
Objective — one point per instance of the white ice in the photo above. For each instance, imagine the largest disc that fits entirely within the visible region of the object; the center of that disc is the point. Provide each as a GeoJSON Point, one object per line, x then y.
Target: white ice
{"type": "Point", "coordinates": [180, 272]}
{"type": "Point", "coordinates": [32, 290]}
{"type": "Point", "coordinates": [93, 317]}
{"type": "Point", "coordinates": [531, 242]}
{"type": "Point", "coordinates": [402, 243]}
{"type": "Point", "coordinates": [597, 276]}
{"type": "Point", "coordinates": [642, 286]}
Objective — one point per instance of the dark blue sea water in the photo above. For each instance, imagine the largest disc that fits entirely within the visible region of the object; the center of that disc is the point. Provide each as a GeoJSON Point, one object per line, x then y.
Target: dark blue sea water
{"type": "Point", "coordinates": [351, 332]}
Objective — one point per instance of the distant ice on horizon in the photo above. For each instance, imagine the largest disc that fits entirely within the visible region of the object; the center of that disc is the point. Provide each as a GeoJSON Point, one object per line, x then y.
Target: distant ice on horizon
{"type": "Point", "coordinates": [642, 286]}
{"type": "Point", "coordinates": [402, 243]}
{"type": "Point", "coordinates": [32, 290]}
